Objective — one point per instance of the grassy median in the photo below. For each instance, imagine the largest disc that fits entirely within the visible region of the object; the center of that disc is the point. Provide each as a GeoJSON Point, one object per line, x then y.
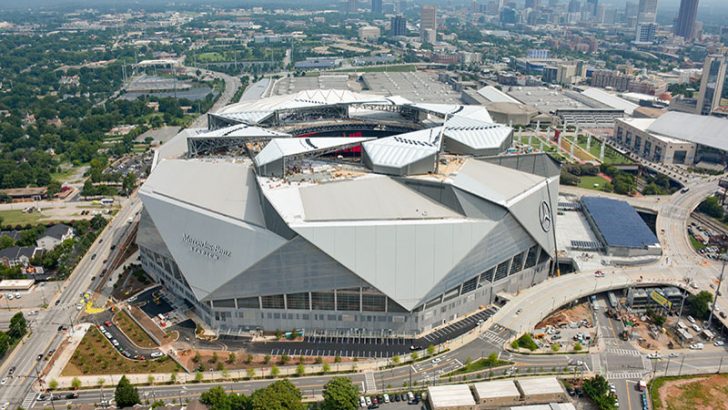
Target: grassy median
{"type": "Point", "coordinates": [133, 331]}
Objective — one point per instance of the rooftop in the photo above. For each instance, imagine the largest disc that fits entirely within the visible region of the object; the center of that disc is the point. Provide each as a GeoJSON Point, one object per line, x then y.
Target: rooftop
{"type": "Point", "coordinates": [540, 385]}
{"type": "Point", "coordinates": [418, 86]}
{"type": "Point", "coordinates": [618, 223]}
{"type": "Point", "coordinates": [496, 389]}
{"type": "Point", "coordinates": [449, 396]}
{"type": "Point", "coordinates": [700, 129]}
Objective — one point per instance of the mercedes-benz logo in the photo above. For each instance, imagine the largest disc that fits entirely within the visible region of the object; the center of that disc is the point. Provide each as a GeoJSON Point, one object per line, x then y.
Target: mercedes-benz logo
{"type": "Point", "coordinates": [544, 216]}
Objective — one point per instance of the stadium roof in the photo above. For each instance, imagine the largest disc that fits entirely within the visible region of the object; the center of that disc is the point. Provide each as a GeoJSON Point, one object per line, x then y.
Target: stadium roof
{"type": "Point", "coordinates": [700, 129]}
{"type": "Point", "coordinates": [618, 223]}
{"type": "Point", "coordinates": [495, 183]}
{"type": "Point", "coordinates": [303, 99]}
{"type": "Point", "coordinates": [475, 133]}
{"type": "Point", "coordinates": [401, 150]}
{"type": "Point", "coordinates": [242, 131]}
{"type": "Point", "coordinates": [279, 148]}
{"type": "Point", "coordinates": [374, 197]}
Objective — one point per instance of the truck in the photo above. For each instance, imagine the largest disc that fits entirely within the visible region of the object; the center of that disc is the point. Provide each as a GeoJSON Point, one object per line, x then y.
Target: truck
{"type": "Point", "coordinates": [642, 385]}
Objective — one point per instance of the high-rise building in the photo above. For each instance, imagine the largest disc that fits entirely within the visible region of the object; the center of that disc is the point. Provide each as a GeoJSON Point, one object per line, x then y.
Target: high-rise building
{"type": "Point", "coordinates": [685, 23]}
{"type": "Point", "coordinates": [647, 11]}
{"type": "Point", "coordinates": [352, 6]}
{"type": "Point", "coordinates": [574, 6]}
{"type": "Point", "coordinates": [592, 6]}
{"type": "Point", "coordinates": [398, 26]}
{"type": "Point", "coordinates": [645, 33]}
{"type": "Point", "coordinates": [711, 84]}
{"type": "Point", "coordinates": [377, 6]}
{"type": "Point", "coordinates": [428, 21]}
{"type": "Point", "coordinates": [533, 4]}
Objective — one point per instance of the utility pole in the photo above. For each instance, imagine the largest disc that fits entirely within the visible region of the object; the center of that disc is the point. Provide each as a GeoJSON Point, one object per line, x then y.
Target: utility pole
{"type": "Point", "coordinates": [668, 365]}
{"type": "Point", "coordinates": [679, 373]}
{"type": "Point", "coordinates": [717, 290]}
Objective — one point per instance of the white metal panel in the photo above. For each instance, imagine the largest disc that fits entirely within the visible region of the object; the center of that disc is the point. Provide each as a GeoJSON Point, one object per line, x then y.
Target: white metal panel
{"type": "Point", "coordinates": [230, 246]}
{"type": "Point", "coordinates": [411, 256]}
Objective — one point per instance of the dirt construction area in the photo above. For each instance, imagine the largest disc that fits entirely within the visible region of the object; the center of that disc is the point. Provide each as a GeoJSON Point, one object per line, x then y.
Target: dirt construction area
{"type": "Point", "coordinates": [566, 316]}
{"type": "Point", "coordinates": [698, 393]}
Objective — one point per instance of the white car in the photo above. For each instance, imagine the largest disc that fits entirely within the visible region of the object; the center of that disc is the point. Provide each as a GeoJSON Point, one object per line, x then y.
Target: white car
{"type": "Point", "coordinates": [4, 380]}
{"type": "Point", "coordinates": [436, 360]}
{"type": "Point", "coordinates": [5, 405]}
{"type": "Point", "coordinates": [386, 398]}
{"type": "Point", "coordinates": [654, 355]}
{"type": "Point", "coordinates": [114, 342]}
{"type": "Point", "coordinates": [156, 354]}
{"type": "Point", "coordinates": [673, 354]}
{"type": "Point", "coordinates": [697, 346]}
{"type": "Point", "coordinates": [719, 343]}
{"type": "Point", "coordinates": [362, 402]}
{"type": "Point", "coordinates": [368, 401]}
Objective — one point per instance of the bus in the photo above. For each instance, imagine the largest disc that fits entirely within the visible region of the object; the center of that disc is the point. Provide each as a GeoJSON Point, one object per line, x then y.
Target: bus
{"type": "Point", "coordinates": [107, 201]}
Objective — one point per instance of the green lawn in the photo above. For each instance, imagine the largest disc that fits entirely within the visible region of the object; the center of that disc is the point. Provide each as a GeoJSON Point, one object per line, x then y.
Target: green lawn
{"type": "Point", "coordinates": [212, 57]}
{"type": "Point", "coordinates": [611, 156]}
{"type": "Point", "coordinates": [18, 217]}
{"type": "Point", "coordinates": [588, 182]}
{"type": "Point", "coordinates": [65, 174]}
{"type": "Point", "coordinates": [480, 364]}
{"type": "Point", "coordinates": [697, 245]}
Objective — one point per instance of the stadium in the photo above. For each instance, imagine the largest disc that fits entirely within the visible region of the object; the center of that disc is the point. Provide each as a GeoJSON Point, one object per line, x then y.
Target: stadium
{"type": "Point", "coordinates": [331, 210]}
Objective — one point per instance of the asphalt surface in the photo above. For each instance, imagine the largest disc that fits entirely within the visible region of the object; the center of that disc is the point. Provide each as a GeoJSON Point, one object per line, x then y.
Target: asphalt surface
{"type": "Point", "coordinates": [371, 347]}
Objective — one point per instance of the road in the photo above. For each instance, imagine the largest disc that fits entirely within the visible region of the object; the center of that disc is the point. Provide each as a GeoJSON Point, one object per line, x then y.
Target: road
{"type": "Point", "coordinates": [18, 391]}
{"type": "Point", "coordinates": [44, 334]}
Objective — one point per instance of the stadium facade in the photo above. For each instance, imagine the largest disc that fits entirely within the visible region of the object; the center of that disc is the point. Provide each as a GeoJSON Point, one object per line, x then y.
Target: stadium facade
{"type": "Point", "coordinates": [274, 220]}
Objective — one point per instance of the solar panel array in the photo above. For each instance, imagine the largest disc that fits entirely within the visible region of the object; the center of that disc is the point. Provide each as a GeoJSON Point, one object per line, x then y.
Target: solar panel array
{"type": "Point", "coordinates": [586, 245]}
{"type": "Point", "coordinates": [618, 223]}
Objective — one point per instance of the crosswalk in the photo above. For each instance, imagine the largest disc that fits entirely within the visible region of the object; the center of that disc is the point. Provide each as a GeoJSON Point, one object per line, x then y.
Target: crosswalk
{"type": "Point", "coordinates": [29, 400]}
{"type": "Point", "coordinates": [371, 382]}
{"type": "Point", "coordinates": [622, 375]}
{"type": "Point", "coordinates": [492, 337]}
{"type": "Point", "coordinates": [624, 352]}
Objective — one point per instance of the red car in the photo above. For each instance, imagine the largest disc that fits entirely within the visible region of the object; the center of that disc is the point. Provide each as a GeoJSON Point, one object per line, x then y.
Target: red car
{"type": "Point", "coordinates": [107, 323]}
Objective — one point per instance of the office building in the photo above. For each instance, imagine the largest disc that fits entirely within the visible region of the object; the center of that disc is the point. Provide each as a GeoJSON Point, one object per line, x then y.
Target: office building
{"type": "Point", "coordinates": [685, 23]}
{"type": "Point", "coordinates": [645, 33]}
{"type": "Point", "coordinates": [592, 6]}
{"type": "Point", "coordinates": [398, 26]}
{"type": "Point", "coordinates": [377, 6]}
{"type": "Point", "coordinates": [647, 11]}
{"type": "Point", "coordinates": [275, 221]}
{"type": "Point", "coordinates": [711, 84]}
{"type": "Point", "coordinates": [533, 4]}
{"type": "Point", "coordinates": [369, 33]}
{"type": "Point", "coordinates": [352, 6]}
{"type": "Point", "coordinates": [428, 21]}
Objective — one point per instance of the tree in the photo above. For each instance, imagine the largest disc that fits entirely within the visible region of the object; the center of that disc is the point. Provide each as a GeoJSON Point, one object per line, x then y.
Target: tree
{"type": "Point", "coordinates": [151, 380]}
{"type": "Point", "coordinates": [597, 389]}
{"type": "Point", "coordinates": [275, 371]}
{"type": "Point", "coordinates": [414, 356]}
{"type": "Point", "coordinates": [430, 350]}
{"type": "Point", "coordinates": [325, 368]}
{"type": "Point", "coordinates": [396, 359]}
{"type": "Point", "coordinates": [300, 370]}
{"type": "Point", "coordinates": [216, 398]}
{"type": "Point", "coordinates": [18, 326]}
{"type": "Point", "coordinates": [6, 242]}
{"type": "Point", "coordinates": [76, 383]}
{"type": "Point", "coordinates": [4, 343]}
{"type": "Point", "coordinates": [250, 372]}
{"type": "Point", "coordinates": [197, 357]}
{"type": "Point", "coordinates": [231, 358]}
{"type": "Point", "coordinates": [214, 358]}
{"type": "Point", "coordinates": [281, 395]}
{"type": "Point", "coordinates": [699, 304]}
{"type": "Point", "coordinates": [711, 207]}
{"type": "Point", "coordinates": [53, 384]}
{"type": "Point", "coordinates": [199, 376]}
{"type": "Point", "coordinates": [340, 394]}
{"type": "Point", "coordinates": [125, 394]}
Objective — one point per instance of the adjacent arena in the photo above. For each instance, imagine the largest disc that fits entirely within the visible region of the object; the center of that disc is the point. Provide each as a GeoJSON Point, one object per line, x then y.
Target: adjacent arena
{"type": "Point", "coordinates": [332, 210]}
